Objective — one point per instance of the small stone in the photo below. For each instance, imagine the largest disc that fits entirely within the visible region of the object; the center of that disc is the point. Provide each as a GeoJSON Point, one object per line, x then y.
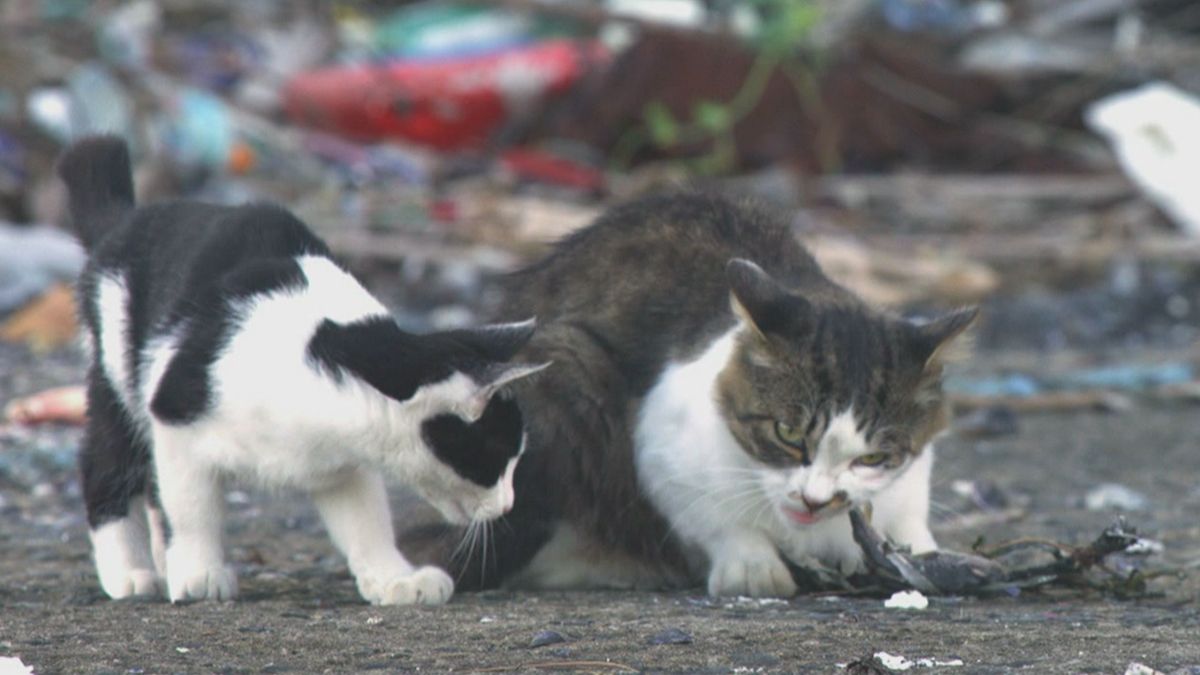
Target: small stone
{"type": "Point", "coordinates": [546, 637]}
{"type": "Point", "coordinates": [1136, 668]}
{"type": "Point", "coordinates": [670, 636]}
{"type": "Point", "coordinates": [906, 600]}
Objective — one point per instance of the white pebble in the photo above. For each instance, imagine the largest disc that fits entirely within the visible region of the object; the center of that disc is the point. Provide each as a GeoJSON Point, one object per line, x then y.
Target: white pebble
{"type": "Point", "coordinates": [907, 600]}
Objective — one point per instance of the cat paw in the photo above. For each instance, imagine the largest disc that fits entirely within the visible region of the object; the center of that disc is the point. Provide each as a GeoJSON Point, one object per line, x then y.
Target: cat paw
{"type": "Point", "coordinates": [424, 586]}
{"type": "Point", "coordinates": [763, 576]}
{"type": "Point", "coordinates": [132, 583]}
{"type": "Point", "coordinates": [201, 583]}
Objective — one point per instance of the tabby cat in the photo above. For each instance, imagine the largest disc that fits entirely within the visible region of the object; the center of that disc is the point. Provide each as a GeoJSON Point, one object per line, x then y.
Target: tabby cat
{"type": "Point", "coordinates": [716, 406]}
{"type": "Point", "coordinates": [227, 343]}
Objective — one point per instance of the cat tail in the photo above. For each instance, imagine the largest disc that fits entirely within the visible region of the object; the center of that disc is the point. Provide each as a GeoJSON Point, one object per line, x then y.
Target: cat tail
{"type": "Point", "coordinates": [99, 179]}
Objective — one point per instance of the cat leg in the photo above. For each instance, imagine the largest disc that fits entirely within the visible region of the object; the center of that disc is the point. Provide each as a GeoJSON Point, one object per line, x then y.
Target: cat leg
{"type": "Point", "coordinates": [359, 520]}
{"type": "Point", "coordinates": [747, 563]}
{"type": "Point", "coordinates": [158, 530]}
{"type": "Point", "coordinates": [113, 464]}
{"type": "Point", "coordinates": [193, 503]}
{"type": "Point", "coordinates": [900, 513]}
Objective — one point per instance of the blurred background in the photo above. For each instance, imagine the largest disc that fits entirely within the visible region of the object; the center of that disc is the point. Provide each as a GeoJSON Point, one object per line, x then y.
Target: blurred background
{"type": "Point", "coordinates": [1039, 157]}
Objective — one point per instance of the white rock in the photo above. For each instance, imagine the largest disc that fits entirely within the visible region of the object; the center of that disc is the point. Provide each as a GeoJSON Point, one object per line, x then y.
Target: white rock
{"type": "Point", "coordinates": [906, 600]}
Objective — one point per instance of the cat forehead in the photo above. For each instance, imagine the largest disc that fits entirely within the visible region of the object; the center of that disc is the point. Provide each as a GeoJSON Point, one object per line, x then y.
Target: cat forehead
{"type": "Point", "coordinates": [842, 439]}
{"type": "Point", "coordinates": [849, 357]}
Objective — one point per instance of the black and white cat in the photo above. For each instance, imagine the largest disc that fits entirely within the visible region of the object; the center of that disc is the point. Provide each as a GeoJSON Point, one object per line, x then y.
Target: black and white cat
{"type": "Point", "coordinates": [227, 343]}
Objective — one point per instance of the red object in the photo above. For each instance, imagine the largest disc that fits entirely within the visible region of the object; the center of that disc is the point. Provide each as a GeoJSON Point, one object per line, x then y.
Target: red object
{"type": "Point", "coordinates": [444, 103]}
{"type": "Point", "coordinates": [543, 167]}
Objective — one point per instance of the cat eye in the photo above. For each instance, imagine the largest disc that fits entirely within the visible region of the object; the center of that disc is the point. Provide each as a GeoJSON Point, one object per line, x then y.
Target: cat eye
{"type": "Point", "coordinates": [873, 459]}
{"type": "Point", "coordinates": [793, 436]}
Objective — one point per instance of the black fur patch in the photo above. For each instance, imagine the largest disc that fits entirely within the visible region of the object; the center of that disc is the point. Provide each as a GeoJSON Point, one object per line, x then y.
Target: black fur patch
{"type": "Point", "coordinates": [184, 392]}
{"type": "Point", "coordinates": [380, 353]}
{"type": "Point", "coordinates": [479, 452]}
{"type": "Point", "coordinates": [113, 460]}
{"type": "Point", "coordinates": [398, 363]}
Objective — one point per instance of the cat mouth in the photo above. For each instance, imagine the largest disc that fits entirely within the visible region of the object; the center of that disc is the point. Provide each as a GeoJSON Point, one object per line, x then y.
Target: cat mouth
{"type": "Point", "coordinates": [806, 517]}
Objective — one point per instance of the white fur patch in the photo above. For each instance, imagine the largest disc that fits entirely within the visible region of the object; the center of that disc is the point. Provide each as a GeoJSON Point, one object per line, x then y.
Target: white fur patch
{"type": "Point", "coordinates": [123, 557]}
{"type": "Point", "coordinates": [112, 300]}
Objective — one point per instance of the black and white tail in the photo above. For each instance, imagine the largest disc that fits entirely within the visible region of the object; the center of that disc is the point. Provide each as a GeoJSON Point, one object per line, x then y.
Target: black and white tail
{"type": "Point", "coordinates": [99, 182]}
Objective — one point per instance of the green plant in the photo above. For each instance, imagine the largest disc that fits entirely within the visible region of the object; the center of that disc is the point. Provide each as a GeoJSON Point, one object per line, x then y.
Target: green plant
{"type": "Point", "coordinates": [785, 26]}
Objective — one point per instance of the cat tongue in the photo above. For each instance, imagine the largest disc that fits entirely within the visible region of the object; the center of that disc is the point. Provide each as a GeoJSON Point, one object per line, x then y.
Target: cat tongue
{"type": "Point", "coordinates": [801, 517]}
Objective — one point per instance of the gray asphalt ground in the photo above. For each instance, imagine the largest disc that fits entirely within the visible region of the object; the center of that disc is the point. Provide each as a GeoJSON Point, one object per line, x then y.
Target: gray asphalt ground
{"type": "Point", "coordinates": [299, 611]}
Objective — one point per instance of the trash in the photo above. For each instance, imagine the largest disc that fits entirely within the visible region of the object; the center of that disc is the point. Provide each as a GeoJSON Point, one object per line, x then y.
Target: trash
{"type": "Point", "coordinates": [197, 130]}
{"type": "Point", "coordinates": [1017, 384]}
{"type": "Point", "coordinates": [455, 30]}
{"type": "Point", "coordinates": [99, 103]}
{"type": "Point", "coordinates": [126, 37]}
{"type": "Point", "coordinates": [47, 323]}
{"type": "Point", "coordinates": [906, 600]}
{"type": "Point", "coordinates": [529, 164]}
{"type": "Point", "coordinates": [1102, 387]}
{"type": "Point", "coordinates": [945, 16]}
{"type": "Point", "coordinates": [670, 636]}
{"type": "Point", "coordinates": [546, 637]}
{"type": "Point", "coordinates": [61, 404]}
{"type": "Point", "coordinates": [1110, 496]}
{"type": "Point", "coordinates": [1135, 668]}
{"type": "Point", "coordinates": [32, 259]}
{"type": "Point", "coordinates": [1155, 132]}
{"type": "Point", "coordinates": [447, 104]}
{"type": "Point", "coordinates": [895, 278]}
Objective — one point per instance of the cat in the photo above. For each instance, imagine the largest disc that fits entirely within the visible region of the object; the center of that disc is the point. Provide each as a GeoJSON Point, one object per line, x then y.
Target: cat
{"type": "Point", "coordinates": [716, 407]}
{"type": "Point", "coordinates": [227, 343]}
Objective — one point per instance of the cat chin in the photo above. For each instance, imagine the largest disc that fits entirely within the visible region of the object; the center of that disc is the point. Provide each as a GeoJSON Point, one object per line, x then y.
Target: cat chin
{"type": "Point", "coordinates": [453, 512]}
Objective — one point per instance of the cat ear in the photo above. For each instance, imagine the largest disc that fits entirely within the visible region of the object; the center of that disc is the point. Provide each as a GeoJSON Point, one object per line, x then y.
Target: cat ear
{"type": "Point", "coordinates": [761, 301]}
{"type": "Point", "coordinates": [497, 342]}
{"type": "Point", "coordinates": [492, 377]}
{"type": "Point", "coordinates": [932, 341]}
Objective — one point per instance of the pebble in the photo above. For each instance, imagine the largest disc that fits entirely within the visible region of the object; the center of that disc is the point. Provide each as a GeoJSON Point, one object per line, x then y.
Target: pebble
{"type": "Point", "coordinates": [907, 600]}
{"type": "Point", "coordinates": [546, 637]}
{"type": "Point", "coordinates": [670, 636]}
